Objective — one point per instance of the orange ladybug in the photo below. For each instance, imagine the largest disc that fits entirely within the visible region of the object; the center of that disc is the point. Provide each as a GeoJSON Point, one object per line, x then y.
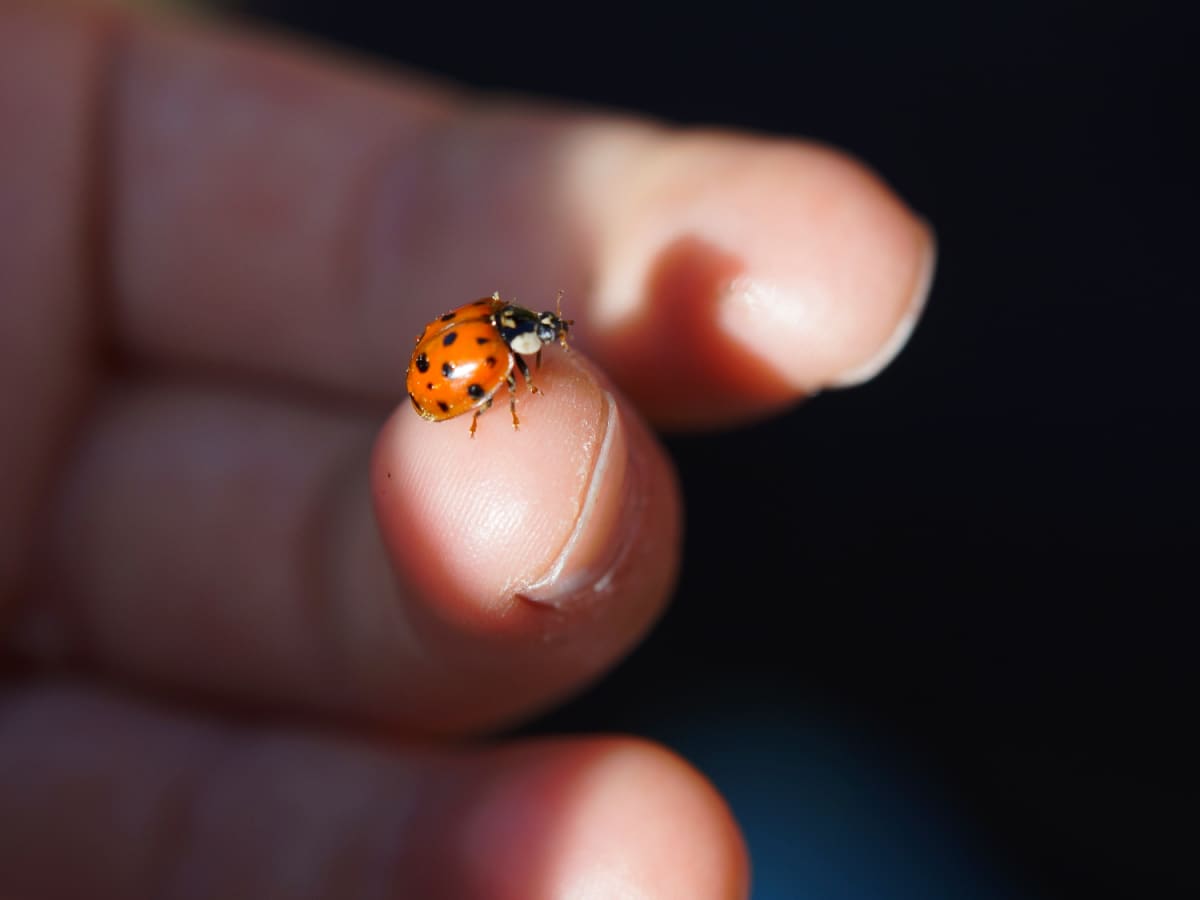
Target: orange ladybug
{"type": "Point", "coordinates": [462, 358]}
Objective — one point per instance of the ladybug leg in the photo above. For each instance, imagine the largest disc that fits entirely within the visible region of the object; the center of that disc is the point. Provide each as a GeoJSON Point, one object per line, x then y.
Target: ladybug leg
{"type": "Point", "coordinates": [511, 381]}
{"type": "Point", "coordinates": [524, 367]}
{"type": "Point", "coordinates": [478, 413]}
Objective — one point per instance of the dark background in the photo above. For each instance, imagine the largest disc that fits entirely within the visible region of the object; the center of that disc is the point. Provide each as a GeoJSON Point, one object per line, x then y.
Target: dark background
{"type": "Point", "coordinates": [967, 584]}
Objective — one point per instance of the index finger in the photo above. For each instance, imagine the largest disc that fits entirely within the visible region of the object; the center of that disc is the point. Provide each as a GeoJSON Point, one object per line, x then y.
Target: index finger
{"type": "Point", "coordinates": [274, 215]}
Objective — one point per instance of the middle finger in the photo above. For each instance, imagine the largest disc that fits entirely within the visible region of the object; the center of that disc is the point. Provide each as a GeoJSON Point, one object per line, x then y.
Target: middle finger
{"type": "Point", "coordinates": [217, 541]}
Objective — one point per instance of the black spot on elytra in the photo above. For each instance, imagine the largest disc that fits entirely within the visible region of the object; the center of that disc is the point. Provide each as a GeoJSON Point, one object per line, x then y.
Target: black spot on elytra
{"type": "Point", "coordinates": [491, 361]}
{"type": "Point", "coordinates": [450, 338]}
{"type": "Point", "coordinates": [475, 390]}
{"type": "Point", "coordinates": [483, 340]}
{"type": "Point", "coordinates": [443, 406]}
{"type": "Point", "coordinates": [447, 369]}
{"type": "Point", "coordinates": [422, 363]}
{"type": "Point", "coordinates": [429, 385]}
{"type": "Point", "coordinates": [448, 316]}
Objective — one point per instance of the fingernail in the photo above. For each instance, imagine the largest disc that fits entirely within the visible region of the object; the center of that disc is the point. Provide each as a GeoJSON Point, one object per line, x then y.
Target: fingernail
{"type": "Point", "coordinates": [602, 530]}
{"type": "Point", "coordinates": [903, 329]}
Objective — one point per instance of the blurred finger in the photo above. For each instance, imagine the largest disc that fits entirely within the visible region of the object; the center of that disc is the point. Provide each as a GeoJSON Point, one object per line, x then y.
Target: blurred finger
{"type": "Point", "coordinates": [734, 275]}
{"type": "Point", "coordinates": [45, 327]}
{"type": "Point", "coordinates": [106, 799]}
{"type": "Point", "coordinates": [328, 214]}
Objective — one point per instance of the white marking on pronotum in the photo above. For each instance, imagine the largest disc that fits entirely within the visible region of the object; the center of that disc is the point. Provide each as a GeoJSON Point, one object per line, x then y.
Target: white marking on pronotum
{"type": "Point", "coordinates": [526, 343]}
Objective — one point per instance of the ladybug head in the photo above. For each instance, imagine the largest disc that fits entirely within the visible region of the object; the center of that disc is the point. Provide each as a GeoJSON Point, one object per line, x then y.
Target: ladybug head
{"type": "Point", "coordinates": [551, 326]}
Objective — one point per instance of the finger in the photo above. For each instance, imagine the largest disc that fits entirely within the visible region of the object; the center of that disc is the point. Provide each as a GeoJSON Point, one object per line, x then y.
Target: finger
{"type": "Point", "coordinates": [735, 275]}
{"type": "Point", "coordinates": [328, 215]}
{"type": "Point", "coordinates": [44, 327]}
{"type": "Point", "coordinates": [107, 799]}
{"type": "Point", "coordinates": [218, 543]}
{"type": "Point", "coordinates": [559, 541]}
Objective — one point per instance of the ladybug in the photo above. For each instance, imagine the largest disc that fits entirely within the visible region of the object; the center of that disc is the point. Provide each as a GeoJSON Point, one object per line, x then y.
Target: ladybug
{"type": "Point", "coordinates": [462, 358]}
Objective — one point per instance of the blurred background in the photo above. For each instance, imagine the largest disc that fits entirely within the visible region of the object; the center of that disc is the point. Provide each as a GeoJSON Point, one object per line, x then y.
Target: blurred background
{"type": "Point", "coordinates": [955, 657]}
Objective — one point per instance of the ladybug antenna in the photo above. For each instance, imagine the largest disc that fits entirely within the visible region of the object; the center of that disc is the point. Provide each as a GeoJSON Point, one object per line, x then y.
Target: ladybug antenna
{"type": "Point", "coordinates": [558, 308]}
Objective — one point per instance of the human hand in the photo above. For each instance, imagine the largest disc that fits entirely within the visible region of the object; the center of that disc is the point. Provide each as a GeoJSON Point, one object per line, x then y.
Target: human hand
{"type": "Point", "coordinates": [243, 642]}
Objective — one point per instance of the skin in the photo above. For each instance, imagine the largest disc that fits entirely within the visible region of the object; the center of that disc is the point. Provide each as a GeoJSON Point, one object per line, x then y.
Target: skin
{"type": "Point", "coordinates": [248, 612]}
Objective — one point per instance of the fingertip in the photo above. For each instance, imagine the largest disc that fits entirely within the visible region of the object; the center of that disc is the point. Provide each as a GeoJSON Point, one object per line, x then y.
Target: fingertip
{"type": "Point", "coordinates": [655, 823]}
{"type": "Point", "coordinates": [472, 519]}
{"type": "Point", "coordinates": [739, 274]}
{"type": "Point", "coordinates": [529, 561]}
{"type": "Point", "coordinates": [612, 817]}
{"type": "Point", "coordinates": [542, 514]}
